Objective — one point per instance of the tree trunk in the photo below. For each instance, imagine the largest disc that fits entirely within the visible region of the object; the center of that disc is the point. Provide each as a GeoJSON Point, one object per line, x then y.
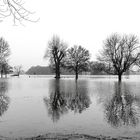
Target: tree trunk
{"type": "Point", "coordinates": [58, 74]}
{"type": "Point", "coordinates": [1, 73]}
{"type": "Point", "coordinates": [120, 77]}
{"type": "Point", "coordinates": [57, 71]}
{"type": "Point", "coordinates": [76, 75]}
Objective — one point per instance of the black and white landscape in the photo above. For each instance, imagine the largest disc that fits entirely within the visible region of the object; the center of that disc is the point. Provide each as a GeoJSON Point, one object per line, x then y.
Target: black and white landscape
{"type": "Point", "coordinates": [69, 70]}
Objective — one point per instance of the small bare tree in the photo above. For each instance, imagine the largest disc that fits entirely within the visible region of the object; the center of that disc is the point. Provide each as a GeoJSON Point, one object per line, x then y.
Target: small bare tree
{"type": "Point", "coordinates": [77, 60]}
{"type": "Point", "coordinates": [120, 53]}
{"type": "Point", "coordinates": [15, 9]}
{"type": "Point", "coordinates": [18, 70]}
{"type": "Point", "coordinates": [56, 52]}
{"type": "Point", "coordinates": [4, 54]}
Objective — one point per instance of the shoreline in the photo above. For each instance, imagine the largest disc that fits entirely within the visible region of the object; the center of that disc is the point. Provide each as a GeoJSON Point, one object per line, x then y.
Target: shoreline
{"type": "Point", "coordinates": [60, 136]}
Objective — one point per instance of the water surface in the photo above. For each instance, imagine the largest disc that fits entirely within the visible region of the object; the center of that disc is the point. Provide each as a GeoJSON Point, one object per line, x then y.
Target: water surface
{"type": "Point", "coordinates": [94, 105]}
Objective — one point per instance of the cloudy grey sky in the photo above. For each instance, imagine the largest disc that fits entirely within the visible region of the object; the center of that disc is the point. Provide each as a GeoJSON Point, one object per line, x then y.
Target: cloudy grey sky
{"type": "Point", "coordinates": [81, 22]}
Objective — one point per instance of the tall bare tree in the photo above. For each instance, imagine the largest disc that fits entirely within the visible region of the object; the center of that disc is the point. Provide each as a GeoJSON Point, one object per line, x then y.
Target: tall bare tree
{"type": "Point", "coordinates": [15, 9]}
{"type": "Point", "coordinates": [120, 53]}
{"type": "Point", "coordinates": [77, 59]}
{"type": "Point", "coordinates": [4, 54]}
{"type": "Point", "coordinates": [56, 52]}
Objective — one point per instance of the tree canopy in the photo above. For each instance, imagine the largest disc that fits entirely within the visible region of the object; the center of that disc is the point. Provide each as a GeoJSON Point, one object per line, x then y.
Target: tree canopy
{"type": "Point", "coordinates": [4, 55]}
{"type": "Point", "coordinates": [120, 53]}
{"type": "Point", "coordinates": [56, 52]}
{"type": "Point", "coordinates": [77, 59]}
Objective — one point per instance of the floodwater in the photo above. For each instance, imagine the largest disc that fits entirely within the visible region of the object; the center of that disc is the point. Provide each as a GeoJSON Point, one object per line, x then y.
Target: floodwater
{"type": "Point", "coordinates": [92, 105]}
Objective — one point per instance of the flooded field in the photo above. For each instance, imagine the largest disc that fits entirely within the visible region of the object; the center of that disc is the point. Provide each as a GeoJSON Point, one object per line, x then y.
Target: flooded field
{"type": "Point", "coordinates": [96, 105]}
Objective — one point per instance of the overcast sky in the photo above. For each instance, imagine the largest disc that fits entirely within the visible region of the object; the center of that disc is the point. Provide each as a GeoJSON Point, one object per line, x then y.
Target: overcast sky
{"type": "Point", "coordinates": [77, 22]}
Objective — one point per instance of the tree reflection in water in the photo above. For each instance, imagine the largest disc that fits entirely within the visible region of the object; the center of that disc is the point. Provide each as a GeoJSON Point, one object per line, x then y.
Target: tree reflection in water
{"type": "Point", "coordinates": [122, 109]}
{"type": "Point", "coordinates": [78, 100]}
{"type": "Point", "coordinates": [56, 104]}
{"type": "Point", "coordinates": [4, 99]}
{"type": "Point", "coordinates": [62, 100]}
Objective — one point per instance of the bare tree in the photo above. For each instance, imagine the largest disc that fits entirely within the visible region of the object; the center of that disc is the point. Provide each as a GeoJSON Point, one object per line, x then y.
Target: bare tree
{"type": "Point", "coordinates": [4, 54]}
{"type": "Point", "coordinates": [56, 52]}
{"type": "Point", "coordinates": [17, 70]}
{"type": "Point", "coordinates": [120, 53]}
{"type": "Point", "coordinates": [15, 9]}
{"type": "Point", "coordinates": [77, 59]}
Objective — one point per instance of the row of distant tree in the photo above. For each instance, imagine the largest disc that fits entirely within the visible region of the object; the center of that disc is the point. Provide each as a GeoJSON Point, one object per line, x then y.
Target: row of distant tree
{"type": "Point", "coordinates": [119, 55]}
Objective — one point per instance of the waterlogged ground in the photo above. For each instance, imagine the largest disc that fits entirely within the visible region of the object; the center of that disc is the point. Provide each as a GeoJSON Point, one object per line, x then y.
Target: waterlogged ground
{"type": "Point", "coordinates": [41, 107]}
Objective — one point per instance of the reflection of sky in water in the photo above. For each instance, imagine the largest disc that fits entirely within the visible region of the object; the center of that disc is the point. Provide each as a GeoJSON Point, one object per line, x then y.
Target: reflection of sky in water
{"type": "Point", "coordinates": [94, 106]}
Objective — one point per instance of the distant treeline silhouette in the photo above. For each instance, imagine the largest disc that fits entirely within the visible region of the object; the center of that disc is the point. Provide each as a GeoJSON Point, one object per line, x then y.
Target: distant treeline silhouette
{"type": "Point", "coordinates": [48, 70]}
